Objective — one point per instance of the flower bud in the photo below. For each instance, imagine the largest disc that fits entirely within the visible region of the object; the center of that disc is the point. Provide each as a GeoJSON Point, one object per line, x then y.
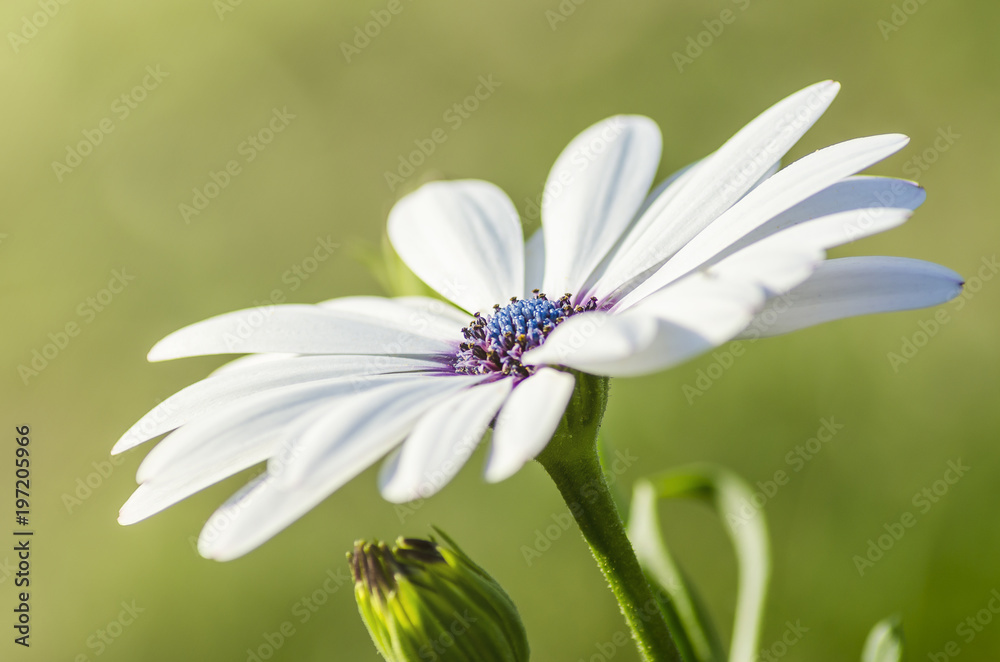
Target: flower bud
{"type": "Point", "coordinates": [424, 601]}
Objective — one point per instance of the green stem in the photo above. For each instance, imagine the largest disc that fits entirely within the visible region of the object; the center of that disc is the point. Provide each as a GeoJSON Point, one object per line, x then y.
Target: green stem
{"type": "Point", "coordinates": [571, 459]}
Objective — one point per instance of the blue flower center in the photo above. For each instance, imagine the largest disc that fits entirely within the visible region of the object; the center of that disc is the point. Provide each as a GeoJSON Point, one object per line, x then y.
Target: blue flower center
{"type": "Point", "coordinates": [495, 344]}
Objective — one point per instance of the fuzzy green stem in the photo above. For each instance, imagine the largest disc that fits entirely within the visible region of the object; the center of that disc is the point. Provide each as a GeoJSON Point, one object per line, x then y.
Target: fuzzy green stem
{"type": "Point", "coordinates": [572, 460]}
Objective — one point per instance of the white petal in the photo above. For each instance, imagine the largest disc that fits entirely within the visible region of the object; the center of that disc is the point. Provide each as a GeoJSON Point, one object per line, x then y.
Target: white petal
{"type": "Point", "coordinates": [683, 320]}
{"type": "Point", "coordinates": [353, 438]}
{"type": "Point", "coordinates": [594, 338]}
{"type": "Point", "coordinates": [672, 344]}
{"type": "Point", "coordinates": [714, 185]}
{"type": "Point", "coordinates": [254, 417]}
{"type": "Point", "coordinates": [770, 172]}
{"type": "Point", "coordinates": [670, 186]}
{"type": "Point", "coordinates": [534, 263]}
{"type": "Point", "coordinates": [869, 197]}
{"type": "Point", "coordinates": [301, 329]}
{"type": "Point", "coordinates": [675, 184]}
{"type": "Point", "coordinates": [785, 259]}
{"type": "Point", "coordinates": [788, 256]}
{"type": "Point", "coordinates": [156, 496]}
{"type": "Point", "coordinates": [241, 362]}
{"type": "Point", "coordinates": [853, 286]}
{"type": "Point", "coordinates": [441, 312]}
{"type": "Point", "coordinates": [234, 439]}
{"type": "Point", "coordinates": [802, 179]}
{"type": "Point", "coordinates": [424, 314]}
{"type": "Point", "coordinates": [442, 441]}
{"type": "Point", "coordinates": [661, 195]}
{"type": "Point", "coordinates": [227, 534]}
{"type": "Point", "coordinates": [592, 194]}
{"type": "Point", "coordinates": [245, 379]}
{"type": "Point", "coordinates": [774, 267]}
{"type": "Point", "coordinates": [359, 430]}
{"type": "Point", "coordinates": [527, 421]}
{"type": "Point", "coordinates": [206, 465]}
{"type": "Point", "coordinates": [462, 238]}
{"type": "Point", "coordinates": [851, 193]}
{"type": "Point", "coordinates": [700, 299]}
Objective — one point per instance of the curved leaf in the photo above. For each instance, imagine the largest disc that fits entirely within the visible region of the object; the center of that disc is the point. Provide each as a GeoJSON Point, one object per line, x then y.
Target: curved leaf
{"type": "Point", "coordinates": [730, 497]}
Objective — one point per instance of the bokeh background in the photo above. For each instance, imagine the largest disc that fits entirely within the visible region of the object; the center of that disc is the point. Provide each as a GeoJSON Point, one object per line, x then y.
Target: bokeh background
{"type": "Point", "coordinates": [926, 69]}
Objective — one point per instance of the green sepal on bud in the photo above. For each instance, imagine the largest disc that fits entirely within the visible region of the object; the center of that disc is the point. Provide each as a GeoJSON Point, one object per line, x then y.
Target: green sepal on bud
{"type": "Point", "coordinates": [422, 601]}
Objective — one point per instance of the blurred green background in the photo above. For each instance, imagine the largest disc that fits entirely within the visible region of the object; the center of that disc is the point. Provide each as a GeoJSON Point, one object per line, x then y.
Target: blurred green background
{"type": "Point", "coordinates": [226, 67]}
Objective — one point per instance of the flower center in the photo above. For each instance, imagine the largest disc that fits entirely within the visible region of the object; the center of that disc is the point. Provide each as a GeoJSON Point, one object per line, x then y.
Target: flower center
{"type": "Point", "coordinates": [496, 343]}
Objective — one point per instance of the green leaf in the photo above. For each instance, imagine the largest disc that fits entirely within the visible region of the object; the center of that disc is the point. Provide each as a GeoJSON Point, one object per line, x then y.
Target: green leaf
{"type": "Point", "coordinates": [885, 642]}
{"type": "Point", "coordinates": [692, 632]}
{"type": "Point", "coordinates": [730, 497]}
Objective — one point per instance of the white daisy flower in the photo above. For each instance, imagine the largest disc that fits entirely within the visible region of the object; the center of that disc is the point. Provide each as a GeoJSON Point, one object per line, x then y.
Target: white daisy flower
{"type": "Point", "coordinates": [619, 281]}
